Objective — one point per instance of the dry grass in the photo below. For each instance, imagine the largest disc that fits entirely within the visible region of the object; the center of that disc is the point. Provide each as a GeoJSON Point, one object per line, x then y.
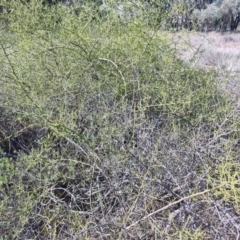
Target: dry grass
{"type": "Point", "coordinates": [212, 50]}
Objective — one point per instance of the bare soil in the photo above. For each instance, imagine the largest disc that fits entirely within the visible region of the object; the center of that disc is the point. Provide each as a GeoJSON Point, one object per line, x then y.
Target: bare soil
{"type": "Point", "coordinates": [212, 50]}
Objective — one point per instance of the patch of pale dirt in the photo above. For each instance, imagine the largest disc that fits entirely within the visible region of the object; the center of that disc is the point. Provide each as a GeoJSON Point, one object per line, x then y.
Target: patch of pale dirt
{"type": "Point", "coordinates": [212, 50]}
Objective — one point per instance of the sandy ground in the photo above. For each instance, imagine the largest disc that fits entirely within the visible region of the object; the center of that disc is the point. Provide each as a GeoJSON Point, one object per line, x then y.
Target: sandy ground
{"type": "Point", "coordinates": [212, 50]}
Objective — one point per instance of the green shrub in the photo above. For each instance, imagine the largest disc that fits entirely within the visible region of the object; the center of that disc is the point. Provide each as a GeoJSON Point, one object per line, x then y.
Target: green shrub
{"type": "Point", "coordinates": [102, 124]}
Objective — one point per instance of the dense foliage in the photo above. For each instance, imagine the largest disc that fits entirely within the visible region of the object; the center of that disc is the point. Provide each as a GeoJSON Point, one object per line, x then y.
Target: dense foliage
{"type": "Point", "coordinates": [106, 134]}
{"type": "Point", "coordinates": [201, 15]}
{"type": "Point", "coordinates": [218, 15]}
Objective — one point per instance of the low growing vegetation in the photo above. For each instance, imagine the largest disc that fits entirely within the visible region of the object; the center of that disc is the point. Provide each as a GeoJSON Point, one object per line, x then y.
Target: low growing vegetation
{"type": "Point", "coordinates": [106, 134]}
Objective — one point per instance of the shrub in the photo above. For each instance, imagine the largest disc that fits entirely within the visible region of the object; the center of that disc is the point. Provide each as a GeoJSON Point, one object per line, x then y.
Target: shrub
{"type": "Point", "coordinates": [105, 132]}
